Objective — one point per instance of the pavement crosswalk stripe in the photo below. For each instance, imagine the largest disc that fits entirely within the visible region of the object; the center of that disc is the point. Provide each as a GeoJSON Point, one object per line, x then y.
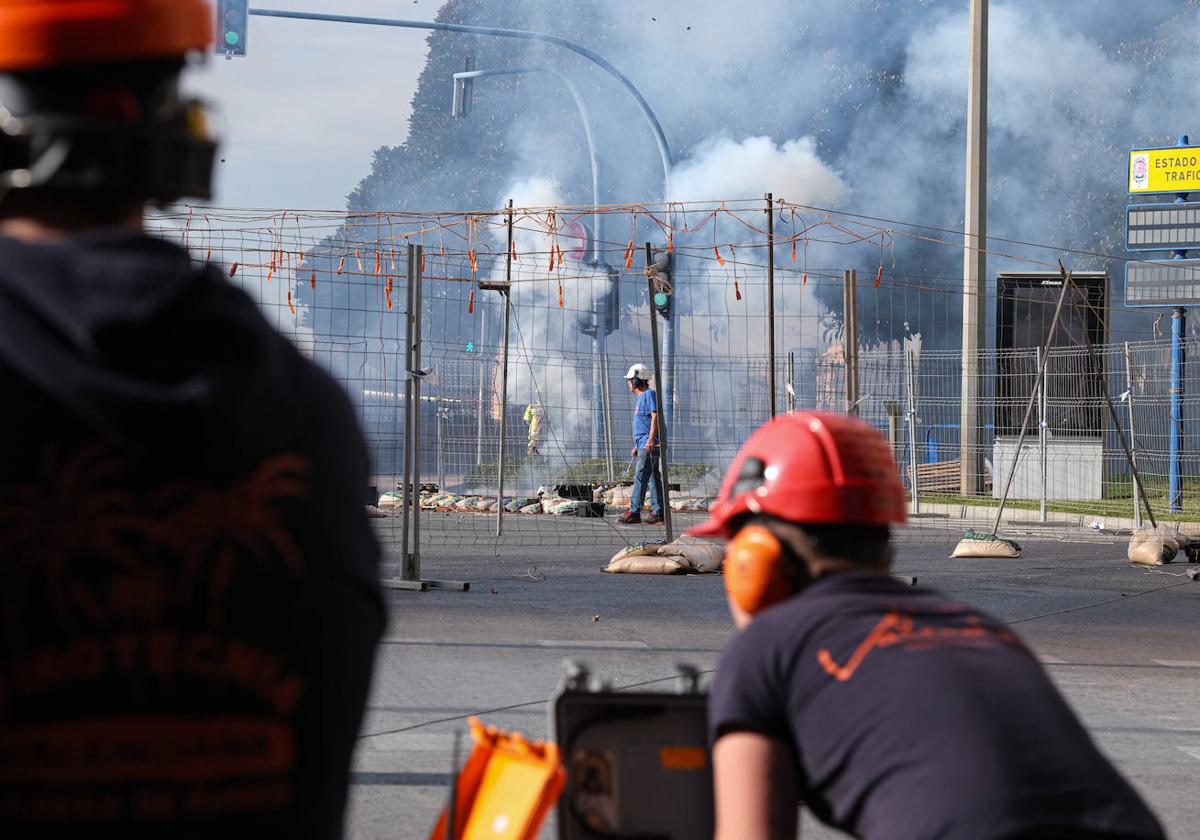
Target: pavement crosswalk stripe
{"type": "Point", "coordinates": [1194, 752]}
{"type": "Point", "coordinates": [591, 643]}
{"type": "Point", "coordinates": [1179, 663]}
{"type": "Point", "coordinates": [1047, 659]}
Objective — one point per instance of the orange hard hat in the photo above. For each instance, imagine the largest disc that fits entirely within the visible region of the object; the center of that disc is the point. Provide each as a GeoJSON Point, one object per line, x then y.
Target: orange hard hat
{"type": "Point", "coordinates": [44, 34]}
{"type": "Point", "coordinates": [810, 467]}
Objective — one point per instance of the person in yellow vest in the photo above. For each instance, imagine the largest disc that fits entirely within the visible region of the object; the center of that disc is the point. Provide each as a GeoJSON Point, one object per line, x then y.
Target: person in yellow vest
{"type": "Point", "coordinates": [534, 417]}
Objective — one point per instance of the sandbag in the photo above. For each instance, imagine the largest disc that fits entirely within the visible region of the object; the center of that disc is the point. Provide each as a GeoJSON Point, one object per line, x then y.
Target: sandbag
{"type": "Point", "coordinates": [974, 544]}
{"type": "Point", "coordinates": [1152, 546]}
{"type": "Point", "coordinates": [686, 554]}
{"type": "Point", "coordinates": [701, 555]}
{"type": "Point", "coordinates": [647, 564]}
{"type": "Point", "coordinates": [390, 500]}
{"type": "Point", "coordinates": [375, 513]}
{"type": "Point", "coordinates": [536, 507]}
{"type": "Point", "coordinates": [618, 497]}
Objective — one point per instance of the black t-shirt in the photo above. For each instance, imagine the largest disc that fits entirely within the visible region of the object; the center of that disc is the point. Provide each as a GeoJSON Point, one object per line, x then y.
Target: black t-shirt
{"type": "Point", "coordinates": [189, 595]}
{"type": "Point", "coordinates": [912, 716]}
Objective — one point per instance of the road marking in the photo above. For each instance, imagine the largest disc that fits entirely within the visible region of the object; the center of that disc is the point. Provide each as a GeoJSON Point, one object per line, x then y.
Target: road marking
{"type": "Point", "coordinates": [1194, 752]}
{"type": "Point", "coordinates": [586, 643]}
{"type": "Point", "coordinates": [1047, 659]}
{"type": "Point", "coordinates": [1179, 663]}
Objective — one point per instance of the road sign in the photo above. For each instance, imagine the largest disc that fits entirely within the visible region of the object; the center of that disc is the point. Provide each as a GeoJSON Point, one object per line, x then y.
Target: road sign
{"type": "Point", "coordinates": [1172, 169]}
{"type": "Point", "coordinates": [1163, 283]}
{"type": "Point", "coordinates": [1162, 227]}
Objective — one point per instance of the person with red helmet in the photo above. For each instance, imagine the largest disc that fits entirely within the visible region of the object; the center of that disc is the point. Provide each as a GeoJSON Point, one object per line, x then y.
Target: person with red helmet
{"type": "Point", "coordinates": [189, 596]}
{"type": "Point", "coordinates": [892, 712]}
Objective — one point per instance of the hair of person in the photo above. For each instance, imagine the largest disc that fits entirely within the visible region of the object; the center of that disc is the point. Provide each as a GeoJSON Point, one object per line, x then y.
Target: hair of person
{"type": "Point", "coordinates": [864, 545]}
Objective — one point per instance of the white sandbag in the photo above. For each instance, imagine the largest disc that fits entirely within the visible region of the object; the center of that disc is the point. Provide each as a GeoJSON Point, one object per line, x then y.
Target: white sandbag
{"type": "Point", "coordinates": [536, 507]}
{"type": "Point", "coordinates": [701, 555]}
{"type": "Point", "coordinates": [375, 513]}
{"type": "Point", "coordinates": [1152, 547]}
{"type": "Point", "coordinates": [618, 497]}
{"type": "Point", "coordinates": [985, 545]}
{"type": "Point", "coordinates": [549, 503]}
{"type": "Point", "coordinates": [638, 549]}
{"type": "Point", "coordinates": [647, 564]}
{"type": "Point", "coordinates": [391, 500]}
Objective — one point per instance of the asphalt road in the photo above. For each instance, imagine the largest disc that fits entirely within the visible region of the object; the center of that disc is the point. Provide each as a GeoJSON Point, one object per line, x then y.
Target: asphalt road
{"type": "Point", "coordinates": [1118, 641]}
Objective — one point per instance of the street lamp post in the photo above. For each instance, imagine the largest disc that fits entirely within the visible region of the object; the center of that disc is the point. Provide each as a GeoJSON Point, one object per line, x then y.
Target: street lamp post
{"type": "Point", "coordinates": [598, 314]}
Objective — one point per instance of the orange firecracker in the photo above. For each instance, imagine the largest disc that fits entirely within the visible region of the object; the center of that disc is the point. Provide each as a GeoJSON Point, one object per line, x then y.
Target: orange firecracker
{"type": "Point", "coordinates": [290, 306]}
{"type": "Point", "coordinates": [804, 279]}
{"type": "Point", "coordinates": [793, 250]}
{"type": "Point", "coordinates": [471, 303]}
{"type": "Point", "coordinates": [737, 291]}
{"type": "Point", "coordinates": [387, 292]}
{"type": "Point", "coordinates": [233, 269]}
{"type": "Point", "coordinates": [629, 255]}
{"type": "Point", "coordinates": [473, 260]}
{"type": "Point", "coordinates": [312, 280]}
{"type": "Point", "coordinates": [514, 251]}
{"type": "Point", "coordinates": [378, 264]}
{"type": "Point", "coordinates": [560, 296]}
{"type": "Point", "coordinates": [341, 265]}
{"type": "Point", "coordinates": [720, 259]}
{"type": "Point", "coordinates": [671, 242]}
{"type": "Point", "coordinates": [878, 276]}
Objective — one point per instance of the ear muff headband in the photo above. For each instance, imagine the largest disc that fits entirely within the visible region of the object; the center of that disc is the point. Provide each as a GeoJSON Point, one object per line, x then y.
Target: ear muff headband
{"type": "Point", "coordinates": [756, 573]}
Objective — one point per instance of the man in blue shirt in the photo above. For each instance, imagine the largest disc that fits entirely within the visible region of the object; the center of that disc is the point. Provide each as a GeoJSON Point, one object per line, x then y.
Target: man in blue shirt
{"type": "Point", "coordinates": [645, 450]}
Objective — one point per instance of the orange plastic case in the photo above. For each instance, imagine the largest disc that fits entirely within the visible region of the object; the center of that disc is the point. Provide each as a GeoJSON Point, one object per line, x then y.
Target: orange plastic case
{"type": "Point", "coordinates": [38, 34]}
{"type": "Point", "coordinates": [505, 789]}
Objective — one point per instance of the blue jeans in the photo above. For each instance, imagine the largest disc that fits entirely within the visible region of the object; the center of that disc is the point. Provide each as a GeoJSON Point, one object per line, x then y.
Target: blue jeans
{"type": "Point", "coordinates": [645, 472]}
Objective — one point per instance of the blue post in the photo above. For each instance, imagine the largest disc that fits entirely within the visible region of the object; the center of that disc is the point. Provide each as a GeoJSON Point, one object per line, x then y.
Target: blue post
{"type": "Point", "coordinates": [1178, 329]}
{"type": "Point", "coordinates": [1175, 479]}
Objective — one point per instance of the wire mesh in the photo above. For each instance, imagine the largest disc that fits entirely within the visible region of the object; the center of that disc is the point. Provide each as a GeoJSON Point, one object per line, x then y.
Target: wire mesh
{"type": "Point", "coordinates": [580, 316]}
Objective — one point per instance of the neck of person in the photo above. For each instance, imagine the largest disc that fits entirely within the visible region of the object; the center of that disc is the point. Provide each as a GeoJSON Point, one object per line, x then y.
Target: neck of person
{"type": "Point", "coordinates": [42, 221]}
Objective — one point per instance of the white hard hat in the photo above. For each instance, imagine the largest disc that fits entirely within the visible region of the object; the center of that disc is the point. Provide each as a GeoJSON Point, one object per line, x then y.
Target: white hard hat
{"type": "Point", "coordinates": [639, 371]}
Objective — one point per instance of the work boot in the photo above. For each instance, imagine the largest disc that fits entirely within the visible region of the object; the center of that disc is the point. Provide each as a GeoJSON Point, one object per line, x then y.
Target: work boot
{"type": "Point", "coordinates": [653, 519]}
{"type": "Point", "coordinates": [629, 517]}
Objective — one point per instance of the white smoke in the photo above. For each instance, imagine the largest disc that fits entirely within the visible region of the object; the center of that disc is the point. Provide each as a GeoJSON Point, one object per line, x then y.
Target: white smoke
{"type": "Point", "coordinates": [724, 168]}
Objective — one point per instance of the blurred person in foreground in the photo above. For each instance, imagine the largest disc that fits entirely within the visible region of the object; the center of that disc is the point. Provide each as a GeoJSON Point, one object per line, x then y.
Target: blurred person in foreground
{"type": "Point", "coordinates": [892, 712]}
{"type": "Point", "coordinates": [188, 588]}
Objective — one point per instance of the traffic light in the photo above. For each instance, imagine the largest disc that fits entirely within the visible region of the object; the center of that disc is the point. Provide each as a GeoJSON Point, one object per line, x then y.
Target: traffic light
{"type": "Point", "coordinates": [232, 20]}
{"type": "Point", "coordinates": [660, 281]}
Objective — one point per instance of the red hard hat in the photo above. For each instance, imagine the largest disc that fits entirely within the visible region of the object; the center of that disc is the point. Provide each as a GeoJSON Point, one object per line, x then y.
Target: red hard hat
{"type": "Point", "coordinates": [810, 467]}
{"type": "Point", "coordinates": [40, 34]}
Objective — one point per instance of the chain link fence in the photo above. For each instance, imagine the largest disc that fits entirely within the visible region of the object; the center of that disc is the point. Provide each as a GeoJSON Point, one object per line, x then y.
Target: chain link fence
{"type": "Point", "coordinates": [337, 285]}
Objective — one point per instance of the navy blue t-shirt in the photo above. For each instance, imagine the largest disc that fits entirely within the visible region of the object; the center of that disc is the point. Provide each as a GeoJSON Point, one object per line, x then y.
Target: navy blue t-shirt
{"type": "Point", "coordinates": [913, 716]}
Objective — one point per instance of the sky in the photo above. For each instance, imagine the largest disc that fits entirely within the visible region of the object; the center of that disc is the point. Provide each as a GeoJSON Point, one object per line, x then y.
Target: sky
{"type": "Point", "coordinates": [300, 116]}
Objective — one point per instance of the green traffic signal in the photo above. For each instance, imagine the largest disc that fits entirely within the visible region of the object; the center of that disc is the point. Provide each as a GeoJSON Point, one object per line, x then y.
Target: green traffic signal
{"type": "Point", "coordinates": [232, 38]}
{"type": "Point", "coordinates": [660, 299]}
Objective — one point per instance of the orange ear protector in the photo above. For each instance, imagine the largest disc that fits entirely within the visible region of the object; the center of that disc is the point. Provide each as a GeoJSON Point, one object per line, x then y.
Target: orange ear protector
{"type": "Point", "coordinates": [756, 573]}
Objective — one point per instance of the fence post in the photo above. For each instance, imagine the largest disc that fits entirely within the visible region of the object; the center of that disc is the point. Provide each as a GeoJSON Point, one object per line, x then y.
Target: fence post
{"type": "Point", "coordinates": [609, 457]}
{"type": "Point", "coordinates": [771, 302]}
{"type": "Point", "coordinates": [911, 380]}
{"type": "Point", "coordinates": [850, 334]}
{"type": "Point", "coordinates": [1041, 395]}
{"type": "Point", "coordinates": [662, 427]}
{"type": "Point", "coordinates": [419, 279]}
{"type": "Point", "coordinates": [507, 293]}
{"type": "Point", "coordinates": [791, 378]}
{"type": "Point", "coordinates": [482, 373]}
{"type": "Point", "coordinates": [1137, 506]}
{"type": "Point", "coordinates": [407, 572]}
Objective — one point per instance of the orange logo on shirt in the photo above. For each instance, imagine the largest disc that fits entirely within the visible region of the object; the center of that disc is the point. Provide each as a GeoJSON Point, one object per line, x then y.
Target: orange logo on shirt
{"type": "Point", "coordinates": [898, 628]}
